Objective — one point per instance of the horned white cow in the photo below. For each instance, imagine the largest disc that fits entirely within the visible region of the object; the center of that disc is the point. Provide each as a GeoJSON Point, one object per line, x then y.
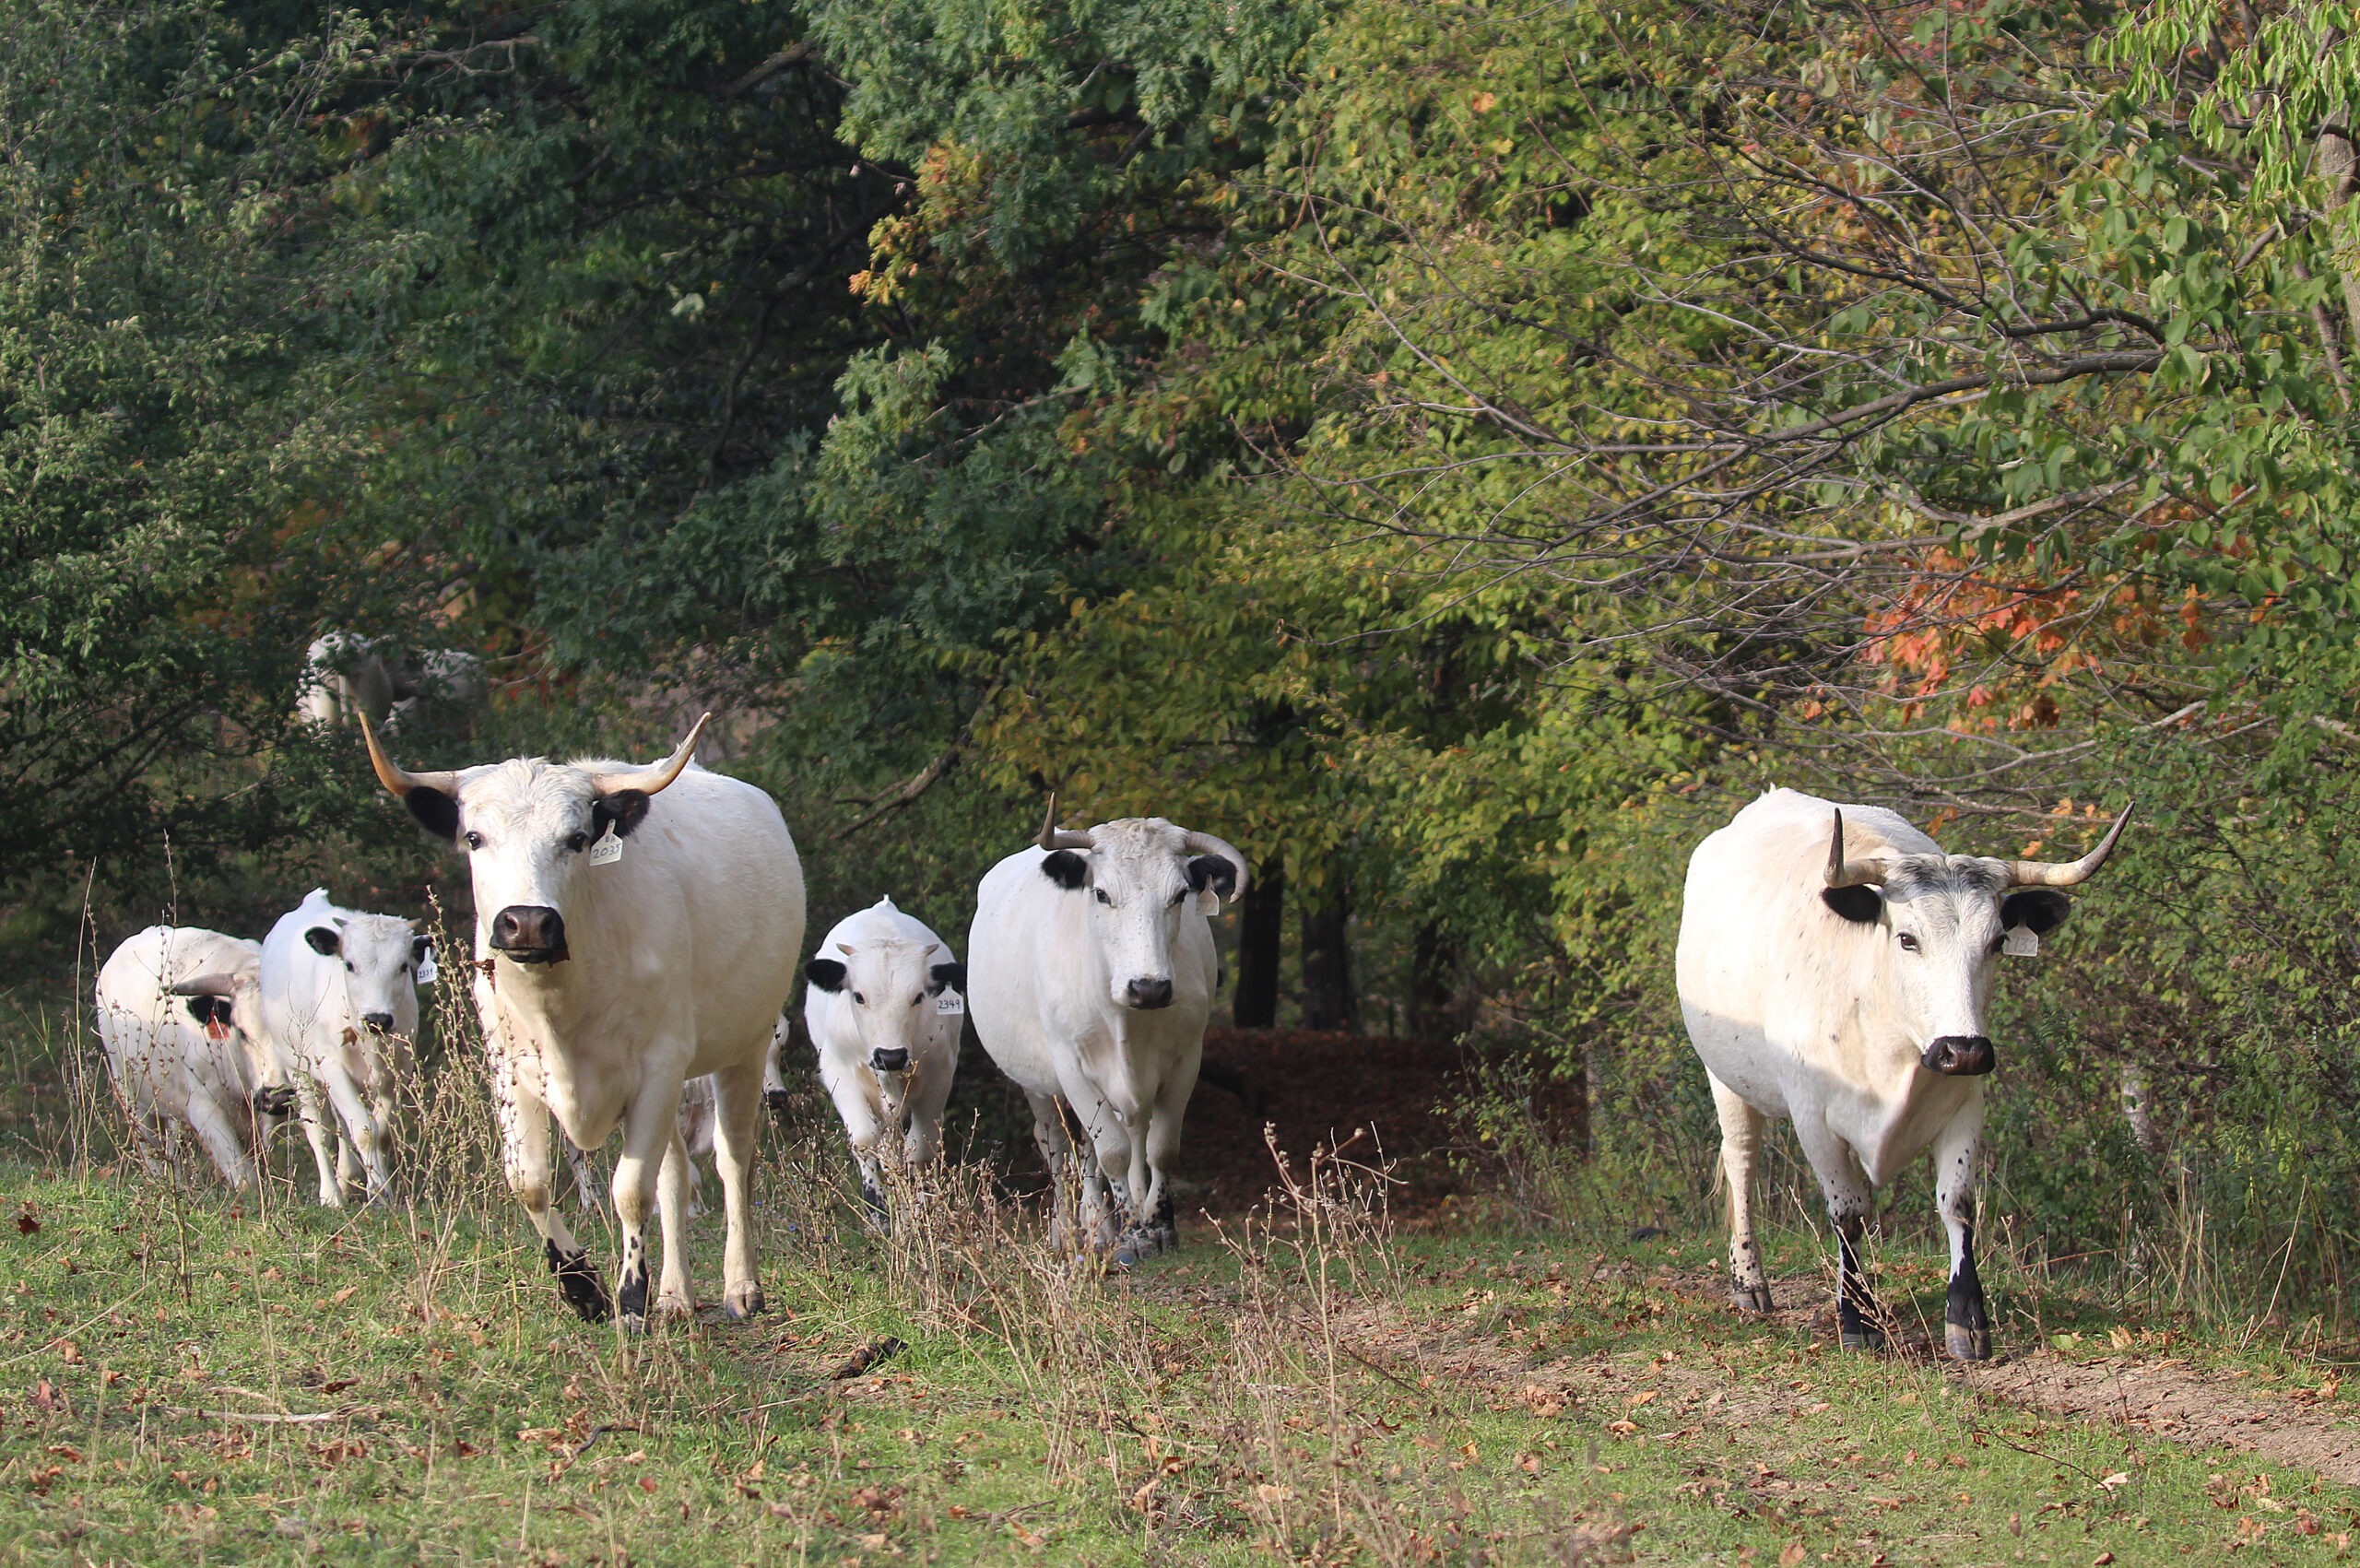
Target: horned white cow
{"type": "Point", "coordinates": [1093, 968]}
{"type": "Point", "coordinates": [345, 675]}
{"type": "Point", "coordinates": [624, 944]}
{"type": "Point", "coordinates": [1835, 967]}
{"type": "Point", "coordinates": [884, 1006]}
{"type": "Point", "coordinates": [180, 1016]}
{"type": "Point", "coordinates": [339, 1003]}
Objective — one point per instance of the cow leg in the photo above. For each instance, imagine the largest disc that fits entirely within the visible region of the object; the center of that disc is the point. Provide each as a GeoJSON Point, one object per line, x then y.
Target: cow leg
{"type": "Point", "coordinates": [862, 1128]}
{"type": "Point", "coordinates": [1740, 1142]}
{"type": "Point", "coordinates": [651, 1132]}
{"type": "Point", "coordinates": [313, 1116]}
{"type": "Point", "coordinates": [586, 1180]}
{"type": "Point", "coordinates": [1966, 1327]}
{"type": "Point", "coordinates": [677, 1297]}
{"type": "Point", "coordinates": [1849, 1199]}
{"type": "Point", "coordinates": [524, 1150]}
{"type": "Point", "coordinates": [220, 1135]}
{"type": "Point", "coordinates": [361, 1128]}
{"type": "Point", "coordinates": [1056, 1153]}
{"type": "Point", "coordinates": [737, 1116]}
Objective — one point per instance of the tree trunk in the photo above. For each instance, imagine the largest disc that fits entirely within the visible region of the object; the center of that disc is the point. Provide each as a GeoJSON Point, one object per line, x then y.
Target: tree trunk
{"type": "Point", "coordinates": [1435, 1013]}
{"type": "Point", "coordinates": [1327, 999]}
{"type": "Point", "coordinates": [1261, 931]}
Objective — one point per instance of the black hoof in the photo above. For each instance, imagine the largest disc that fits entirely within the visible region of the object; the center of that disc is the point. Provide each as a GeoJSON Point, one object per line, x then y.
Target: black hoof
{"type": "Point", "coordinates": [1752, 1298]}
{"type": "Point", "coordinates": [633, 1297]}
{"type": "Point", "coordinates": [1967, 1344]}
{"type": "Point", "coordinates": [578, 1281]}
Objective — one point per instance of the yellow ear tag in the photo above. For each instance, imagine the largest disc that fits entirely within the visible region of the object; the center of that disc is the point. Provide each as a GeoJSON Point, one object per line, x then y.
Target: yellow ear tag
{"type": "Point", "coordinates": [608, 850]}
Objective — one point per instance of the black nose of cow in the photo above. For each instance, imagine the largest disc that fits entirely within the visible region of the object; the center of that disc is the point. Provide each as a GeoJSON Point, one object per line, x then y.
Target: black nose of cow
{"type": "Point", "coordinates": [1961, 1055]}
{"type": "Point", "coordinates": [778, 1100]}
{"type": "Point", "coordinates": [381, 1022]}
{"type": "Point", "coordinates": [1149, 995]}
{"type": "Point", "coordinates": [529, 933]}
{"type": "Point", "coordinates": [275, 1101]}
{"type": "Point", "coordinates": [896, 1060]}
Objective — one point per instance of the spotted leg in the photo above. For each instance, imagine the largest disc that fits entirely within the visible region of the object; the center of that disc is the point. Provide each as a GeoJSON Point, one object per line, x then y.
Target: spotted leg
{"type": "Point", "coordinates": [524, 1152]}
{"type": "Point", "coordinates": [651, 1137]}
{"type": "Point", "coordinates": [1966, 1327]}
{"type": "Point", "coordinates": [325, 1155]}
{"type": "Point", "coordinates": [1740, 1142]}
{"type": "Point", "coordinates": [1849, 1196]}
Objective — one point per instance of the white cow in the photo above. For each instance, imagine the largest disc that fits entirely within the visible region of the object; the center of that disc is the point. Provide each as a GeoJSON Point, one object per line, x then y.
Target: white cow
{"type": "Point", "coordinates": [345, 675]}
{"type": "Point", "coordinates": [624, 944]}
{"type": "Point", "coordinates": [1093, 971]}
{"type": "Point", "coordinates": [884, 1009]}
{"type": "Point", "coordinates": [179, 1015]}
{"type": "Point", "coordinates": [339, 1003]}
{"type": "Point", "coordinates": [1834, 969]}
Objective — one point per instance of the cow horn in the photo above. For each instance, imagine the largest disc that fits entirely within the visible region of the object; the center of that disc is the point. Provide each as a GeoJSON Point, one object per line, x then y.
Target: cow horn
{"type": "Point", "coordinates": [2066, 873]}
{"type": "Point", "coordinates": [207, 985]}
{"type": "Point", "coordinates": [1051, 838]}
{"type": "Point", "coordinates": [395, 780]}
{"type": "Point", "coordinates": [1842, 873]}
{"type": "Point", "coordinates": [1205, 843]}
{"type": "Point", "coordinates": [648, 781]}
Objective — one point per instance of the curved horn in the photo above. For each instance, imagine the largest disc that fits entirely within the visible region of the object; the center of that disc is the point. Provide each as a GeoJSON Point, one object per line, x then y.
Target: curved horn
{"type": "Point", "coordinates": [397, 781]}
{"type": "Point", "coordinates": [648, 781]}
{"type": "Point", "coordinates": [205, 986]}
{"type": "Point", "coordinates": [1842, 873]}
{"type": "Point", "coordinates": [1051, 838]}
{"type": "Point", "coordinates": [1205, 843]}
{"type": "Point", "coordinates": [2066, 873]}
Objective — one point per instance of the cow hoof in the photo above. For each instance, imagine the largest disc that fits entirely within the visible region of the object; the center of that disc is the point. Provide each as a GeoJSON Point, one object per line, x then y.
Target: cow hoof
{"type": "Point", "coordinates": [677, 1308]}
{"type": "Point", "coordinates": [1862, 1338]}
{"type": "Point", "coordinates": [1967, 1344]}
{"type": "Point", "coordinates": [1752, 1298]}
{"type": "Point", "coordinates": [577, 1280]}
{"type": "Point", "coordinates": [632, 1323]}
{"type": "Point", "coordinates": [742, 1302]}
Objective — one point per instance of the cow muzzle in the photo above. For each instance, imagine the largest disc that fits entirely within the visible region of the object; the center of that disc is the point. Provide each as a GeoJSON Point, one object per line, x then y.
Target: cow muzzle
{"type": "Point", "coordinates": [529, 933]}
{"type": "Point", "coordinates": [1961, 1055]}
{"type": "Point", "coordinates": [896, 1060]}
{"type": "Point", "coordinates": [1148, 995]}
{"type": "Point", "coordinates": [381, 1022]}
{"type": "Point", "coordinates": [274, 1101]}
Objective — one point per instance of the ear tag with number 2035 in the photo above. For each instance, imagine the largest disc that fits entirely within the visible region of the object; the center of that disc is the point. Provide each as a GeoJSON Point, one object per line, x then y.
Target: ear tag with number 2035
{"type": "Point", "coordinates": [608, 850]}
{"type": "Point", "coordinates": [2022, 941]}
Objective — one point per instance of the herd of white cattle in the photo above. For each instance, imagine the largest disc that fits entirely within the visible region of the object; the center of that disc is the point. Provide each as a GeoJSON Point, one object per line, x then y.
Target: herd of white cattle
{"type": "Point", "coordinates": [637, 936]}
{"type": "Point", "coordinates": [633, 958]}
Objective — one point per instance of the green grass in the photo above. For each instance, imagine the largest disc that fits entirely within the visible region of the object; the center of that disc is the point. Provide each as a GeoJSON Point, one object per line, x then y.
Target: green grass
{"type": "Point", "coordinates": [1457, 1398]}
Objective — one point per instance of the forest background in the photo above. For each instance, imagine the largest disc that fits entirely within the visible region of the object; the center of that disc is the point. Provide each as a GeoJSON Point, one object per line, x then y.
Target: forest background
{"type": "Point", "coordinates": [1458, 452]}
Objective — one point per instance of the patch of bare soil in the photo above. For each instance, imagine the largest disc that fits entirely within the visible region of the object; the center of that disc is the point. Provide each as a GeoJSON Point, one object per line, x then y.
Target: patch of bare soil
{"type": "Point", "coordinates": [1298, 1081]}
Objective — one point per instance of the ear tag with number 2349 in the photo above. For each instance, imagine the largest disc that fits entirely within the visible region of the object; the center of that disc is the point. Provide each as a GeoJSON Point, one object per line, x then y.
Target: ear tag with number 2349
{"type": "Point", "coordinates": [950, 1002]}
{"type": "Point", "coordinates": [608, 850]}
{"type": "Point", "coordinates": [2022, 941]}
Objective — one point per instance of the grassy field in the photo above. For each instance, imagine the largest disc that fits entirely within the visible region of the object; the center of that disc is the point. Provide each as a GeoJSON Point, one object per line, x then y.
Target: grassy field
{"type": "Point", "coordinates": [189, 1378]}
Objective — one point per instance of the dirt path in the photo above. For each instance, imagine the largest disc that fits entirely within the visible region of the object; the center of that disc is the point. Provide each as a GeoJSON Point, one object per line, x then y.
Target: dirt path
{"type": "Point", "coordinates": [2147, 1397]}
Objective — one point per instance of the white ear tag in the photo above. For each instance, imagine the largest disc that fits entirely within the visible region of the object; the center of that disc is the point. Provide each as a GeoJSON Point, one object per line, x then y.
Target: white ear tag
{"type": "Point", "coordinates": [1209, 903]}
{"type": "Point", "coordinates": [426, 968]}
{"type": "Point", "coordinates": [949, 1003]}
{"type": "Point", "coordinates": [2022, 941]}
{"type": "Point", "coordinates": [608, 850]}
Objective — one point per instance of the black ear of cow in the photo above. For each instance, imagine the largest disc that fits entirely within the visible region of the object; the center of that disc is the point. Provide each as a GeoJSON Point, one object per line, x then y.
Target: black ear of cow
{"type": "Point", "coordinates": [1065, 868]}
{"type": "Point", "coordinates": [420, 945]}
{"type": "Point", "coordinates": [1213, 870]}
{"type": "Point", "coordinates": [205, 1010]}
{"type": "Point", "coordinates": [1859, 904]}
{"type": "Point", "coordinates": [625, 808]}
{"type": "Point", "coordinates": [323, 939]}
{"type": "Point", "coordinates": [826, 973]}
{"type": "Point", "coordinates": [2042, 909]}
{"type": "Point", "coordinates": [436, 812]}
{"type": "Point", "coordinates": [952, 976]}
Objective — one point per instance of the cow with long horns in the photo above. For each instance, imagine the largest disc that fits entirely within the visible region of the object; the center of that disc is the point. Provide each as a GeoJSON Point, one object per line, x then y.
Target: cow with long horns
{"type": "Point", "coordinates": [1091, 972]}
{"type": "Point", "coordinates": [1834, 969]}
{"type": "Point", "coordinates": [624, 944]}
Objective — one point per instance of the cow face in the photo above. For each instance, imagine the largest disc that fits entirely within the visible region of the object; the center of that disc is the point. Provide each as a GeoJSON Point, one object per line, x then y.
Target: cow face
{"type": "Point", "coordinates": [1942, 920]}
{"type": "Point", "coordinates": [891, 986]}
{"type": "Point", "coordinates": [530, 827]}
{"type": "Point", "coordinates": [379, 957]}
{"type": "Point", "coordinates": [1141, 880]}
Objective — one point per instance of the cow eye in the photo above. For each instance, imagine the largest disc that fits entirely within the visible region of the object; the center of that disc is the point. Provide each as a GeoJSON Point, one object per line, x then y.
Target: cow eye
{"type": "Point", "coordinates": [577, 843]}
{"type": "Point", "coordinates": [1908, 943]}
{"type": "Point", "coordinates": [474, 840]}
{"type": "Point", "coordinates": [347, 966]}
{"type": "Point", "coordinates": [859, 998]}
{"type": "Point", "coordinates": [1103, 898]}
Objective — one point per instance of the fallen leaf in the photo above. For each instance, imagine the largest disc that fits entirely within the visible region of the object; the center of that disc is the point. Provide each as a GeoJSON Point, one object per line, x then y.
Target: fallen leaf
{"type": "Point", "coordinates": [2119, 1477]}
{"type": "Point", "coordinates": [344, 1295]}
{"type": "Point", "coordinates": [1274, 1494]}
{"type": "Point", "coordinates": [1793, 1554]}
{"type": "Point", "coordinates": [1636, 1400]}
{"type": "Point", "coordinates": [25, 1224]}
